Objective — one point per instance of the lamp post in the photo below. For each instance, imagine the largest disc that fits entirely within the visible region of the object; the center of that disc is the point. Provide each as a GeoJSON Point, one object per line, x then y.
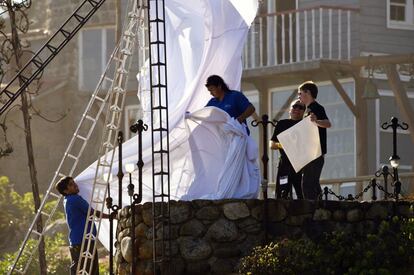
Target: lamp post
{"type": "Point", "coordinates": [109, 202]}
{"type": "Point", "coordinates": [265, 159]}
{"type": "Point", "coordinates": [395, 159]}
{"type": "Point", "coordinates": [138, 127]}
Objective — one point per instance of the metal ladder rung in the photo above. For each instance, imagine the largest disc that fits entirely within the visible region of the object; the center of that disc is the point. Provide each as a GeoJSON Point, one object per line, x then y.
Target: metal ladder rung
{"type": "Point", "coordinates": [108, 145]}
{"type": "Point", "coordinates": [52, 49]}
{"type": "Point", "coordinates": [122, 71]}
{"type": "Point", "coordinates": [65, 33]}
{"type": "Point", "coordinates": [161, 173]}
{"type": "Point", "coordinates": [158, 20]}
{"type": "Point", "coordinates": [133, 15]}
{"type": "Point", "coordinates": [104, 164]}
{"type": "Point", "coordinates": [159, 86]}
{"type": "Point", "coordinates": [93, 3]}
{"type": "Point", "coordinates": [60, 174]}
{"type": "Point", "coordinates": [129, 34]}
{"type": "Point", "coordinates": [54, 195]}
{"type": "Point", "coordinates": [36, 233]}
{"type": "Point", "coordinates": [98, 201]}
{"type": "Point", "coordinates": [158, 64]}
{"type": "Point", "coordinates": [8, 93]}
{"type": "Point", "coordinates": [111, 126]}
{"type": "Point", "coordinates": [79, 18]}
{"type": "Point", "coordinates": [99, 98]}
{"type": "Point", "coordinates": [160, 108]}
{"type": "Point", "coordinates": [107, 78]}
{"type": "Point", "coordinates": [72, 156]}
{"type": "Point", "coordinates": [115, 109]}
{"type": "Point", "coordinates": [38, 63]}
{"type": "Point", "coordinates": [160, 129]}
{"type": "Point", "coordinates": [44, 213]}
{"type": "Point", "coordinates": [90, 118]}
{"type": "Point", "coordinates": [126, 52]}
{"type": "Point", "coordinates": [161, 152]}
{"type": "Point", "coordinates": [80, 137]}
{"type": "Point", "coordinates": [119, 90]}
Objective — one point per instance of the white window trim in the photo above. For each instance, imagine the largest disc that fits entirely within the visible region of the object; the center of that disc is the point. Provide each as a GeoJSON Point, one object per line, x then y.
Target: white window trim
{"type": "Point", "coordinates": [408, 24]}
{"type": "Point", "coordinates": [104, 30]}
{"type": "Point", "coordinates": [378, 129]}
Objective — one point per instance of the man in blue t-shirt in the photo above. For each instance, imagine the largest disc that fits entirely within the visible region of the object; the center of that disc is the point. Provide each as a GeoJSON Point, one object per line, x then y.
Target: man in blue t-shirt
{"type": "Point", "coordinates": [76, 210]}
{"type": "Point", "coordinates": [232, 102]}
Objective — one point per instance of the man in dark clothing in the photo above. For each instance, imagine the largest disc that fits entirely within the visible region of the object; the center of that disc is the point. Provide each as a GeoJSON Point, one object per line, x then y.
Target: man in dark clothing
{"type": "Point", "coordinates": [76, 211]}
{"type": "Point", "coordinates": [286, 175]}
{"type": "Point", "coordinates": [307, 93]}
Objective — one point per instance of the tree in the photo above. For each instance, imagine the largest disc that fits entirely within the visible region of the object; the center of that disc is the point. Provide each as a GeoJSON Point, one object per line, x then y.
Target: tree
{"type": "Point", "coordinates": [12, 51]}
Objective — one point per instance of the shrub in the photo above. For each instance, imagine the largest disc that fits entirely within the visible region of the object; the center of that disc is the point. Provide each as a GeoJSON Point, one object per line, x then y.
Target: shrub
{"type": "Point", "coordinates": [389, 251]}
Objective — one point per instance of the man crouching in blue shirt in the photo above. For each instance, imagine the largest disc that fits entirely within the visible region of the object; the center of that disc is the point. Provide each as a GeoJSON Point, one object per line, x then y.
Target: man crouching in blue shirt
{"type": "Point", "coordinates": [76, 210]}
{"type": "Point", "coordinates": [232, 102]}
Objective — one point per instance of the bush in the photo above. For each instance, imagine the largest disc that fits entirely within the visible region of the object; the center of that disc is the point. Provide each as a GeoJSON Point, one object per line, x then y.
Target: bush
{"type": "Point", "coordinates": [389, 251]}
{"type": "Point", "coordinates": [57, 257]}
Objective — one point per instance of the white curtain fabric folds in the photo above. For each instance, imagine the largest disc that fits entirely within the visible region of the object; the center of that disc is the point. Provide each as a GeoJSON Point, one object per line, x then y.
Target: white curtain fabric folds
{"type": "Point", "coordinates": [203, 37]}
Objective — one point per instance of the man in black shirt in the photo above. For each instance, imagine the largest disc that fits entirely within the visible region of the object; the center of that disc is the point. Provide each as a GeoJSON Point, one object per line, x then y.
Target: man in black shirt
{"type": "Point", "coordinates": [308, 91]}
{"type": "Point", "coordinates": [286, 175]}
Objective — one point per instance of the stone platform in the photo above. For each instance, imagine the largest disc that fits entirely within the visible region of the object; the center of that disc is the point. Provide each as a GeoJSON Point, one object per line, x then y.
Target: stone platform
{"type": "Point", "coordinates": [210, 237]}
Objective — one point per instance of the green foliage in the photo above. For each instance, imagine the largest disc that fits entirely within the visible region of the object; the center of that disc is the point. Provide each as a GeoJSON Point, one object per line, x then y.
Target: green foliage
{"type": "Point", "coordinates": [389, 251]}
{"type": "Point", "coordinates": [15, 218]}
{"type": "Point", "coordinates": [57, 257]}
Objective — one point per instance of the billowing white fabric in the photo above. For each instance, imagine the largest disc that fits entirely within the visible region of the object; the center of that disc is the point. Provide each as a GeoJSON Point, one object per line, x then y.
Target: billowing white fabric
{"type": "Point", "coordinates": [301, 143]}
{"type": "Point", "coordinates": [221, 164]}
{"type": "Point", "coordinates": [203, 37]}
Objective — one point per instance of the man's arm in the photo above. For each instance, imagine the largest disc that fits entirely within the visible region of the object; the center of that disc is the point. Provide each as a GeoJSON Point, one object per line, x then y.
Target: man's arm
{"type": "Point", "coordinates": [248, 112]}
{"type": "Point", "coordinates": [323, 123]}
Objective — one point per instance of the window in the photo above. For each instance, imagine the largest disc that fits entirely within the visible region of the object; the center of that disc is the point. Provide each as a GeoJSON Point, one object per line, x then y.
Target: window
{"type": "Point", "coordinates": [400, 14]}
{"type": "Point", "coordinates": [95, 48]}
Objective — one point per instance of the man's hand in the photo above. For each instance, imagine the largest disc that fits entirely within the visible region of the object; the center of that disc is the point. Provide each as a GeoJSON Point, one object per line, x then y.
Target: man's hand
{"type": "Point", "coordinates": [313, 117]}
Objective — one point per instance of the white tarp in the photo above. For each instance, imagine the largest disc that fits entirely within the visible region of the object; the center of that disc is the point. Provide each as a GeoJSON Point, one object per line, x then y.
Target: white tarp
{"type": "Point", "coordinates": [301, 143]}
{"type": "Point", "coordinates": [203, 37]}
{"type": "Point", "coordinates": [224, 157]}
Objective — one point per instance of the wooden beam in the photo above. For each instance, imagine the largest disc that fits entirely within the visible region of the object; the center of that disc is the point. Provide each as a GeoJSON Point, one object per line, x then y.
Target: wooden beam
{"type": "Point", "coordinates": [383, 59]}
{"type": "Point", "coordinates": [401, 97]}
{"type": "Point", "coordinates": [341, 90]}
{"type": "Point", "coordinates": [285, 105]}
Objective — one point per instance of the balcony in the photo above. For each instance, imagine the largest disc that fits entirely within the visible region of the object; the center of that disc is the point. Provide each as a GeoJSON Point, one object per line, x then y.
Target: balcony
{"type": "Point", "coordinates": [300, 36]}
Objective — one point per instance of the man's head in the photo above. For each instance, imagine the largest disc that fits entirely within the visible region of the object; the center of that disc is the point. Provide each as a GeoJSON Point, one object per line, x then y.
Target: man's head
{"type": "Point", "coordinates": [216, 86]}
{"type": "Point", "coordinates": [67, 186]}
{"type": "Point", "coordinates": [307, 92]}
{"type": "Point", "coordinates": [297, 109]}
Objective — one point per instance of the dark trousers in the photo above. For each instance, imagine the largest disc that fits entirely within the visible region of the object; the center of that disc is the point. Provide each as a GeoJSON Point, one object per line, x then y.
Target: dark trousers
{"type": "Point", "coordinates": [75, 253]}
{"type": "Point", "coordinates": [284, 191]}
{"type": "Point", "coordinates": [310, 181]}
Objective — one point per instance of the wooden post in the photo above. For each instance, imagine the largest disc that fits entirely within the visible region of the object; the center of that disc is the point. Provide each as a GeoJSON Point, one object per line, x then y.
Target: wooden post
{"type": "Point", "coordinates": [401, 97]}
{"type": "Point", "coordinates": [361, 131]}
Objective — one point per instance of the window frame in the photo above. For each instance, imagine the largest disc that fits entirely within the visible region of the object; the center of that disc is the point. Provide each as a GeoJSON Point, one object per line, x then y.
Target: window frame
{"type": "Point", "coordinates": [104, 48]}
{"type": "Point", "coordinates": [408, 24]}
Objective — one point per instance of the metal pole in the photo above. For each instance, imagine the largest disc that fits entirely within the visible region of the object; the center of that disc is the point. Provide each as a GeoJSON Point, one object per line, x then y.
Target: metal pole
{"type": "Point", "coordinates": [265, 160]}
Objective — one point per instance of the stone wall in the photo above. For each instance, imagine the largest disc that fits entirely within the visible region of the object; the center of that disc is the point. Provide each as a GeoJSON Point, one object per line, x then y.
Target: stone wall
{"type": "Point", "coordinates": [209, 237]}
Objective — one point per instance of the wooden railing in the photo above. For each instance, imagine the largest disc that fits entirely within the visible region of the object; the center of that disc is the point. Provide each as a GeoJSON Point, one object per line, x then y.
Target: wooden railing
{"type": "Point", "coordinates": [322, 32]}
